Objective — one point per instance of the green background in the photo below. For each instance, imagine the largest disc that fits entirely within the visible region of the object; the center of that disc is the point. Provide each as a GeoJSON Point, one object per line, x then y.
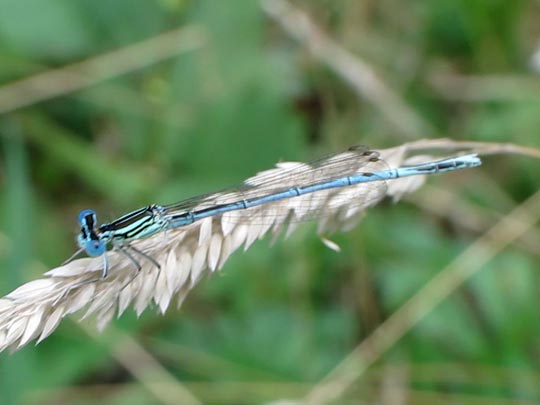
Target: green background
{"type": "Point", "coordinates": [276, 319]}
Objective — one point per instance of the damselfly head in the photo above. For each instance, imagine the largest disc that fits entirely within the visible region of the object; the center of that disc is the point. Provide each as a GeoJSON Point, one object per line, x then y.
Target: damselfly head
{"type": "Point", "coordinates": [94, 247]}
{"type": "Point", "coordinates": [90, 242]}
{"type": "Point", "coordinates": [87, 218]}
{"type": "Point", "coordinates": [87, 239]}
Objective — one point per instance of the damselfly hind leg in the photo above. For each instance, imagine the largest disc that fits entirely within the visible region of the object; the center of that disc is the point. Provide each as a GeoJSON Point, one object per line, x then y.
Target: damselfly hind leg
{"type": "Point", "coordinates": [124, 249]}
{"type": "Point", "coordinates": [147, 257]}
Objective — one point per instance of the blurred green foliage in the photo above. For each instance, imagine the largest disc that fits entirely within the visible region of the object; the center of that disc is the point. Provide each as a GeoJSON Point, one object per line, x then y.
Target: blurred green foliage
{"type": "Point", "coordinates": [277, 318]}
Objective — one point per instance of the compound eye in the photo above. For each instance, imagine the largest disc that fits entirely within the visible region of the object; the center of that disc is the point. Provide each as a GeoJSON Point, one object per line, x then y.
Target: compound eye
{"type": "Point", "coordinates": [83, 217]}
{"type": "Point", "coordinates": [94, 248]}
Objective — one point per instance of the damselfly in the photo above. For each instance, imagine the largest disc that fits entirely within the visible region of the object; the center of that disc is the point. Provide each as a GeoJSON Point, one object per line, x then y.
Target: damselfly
{"type": "Point", "coordinates": [298, 191]}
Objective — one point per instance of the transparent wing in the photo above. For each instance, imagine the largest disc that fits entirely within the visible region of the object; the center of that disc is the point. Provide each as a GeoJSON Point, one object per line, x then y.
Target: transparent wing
{"type": "Point", "coordinates": [344, 201]}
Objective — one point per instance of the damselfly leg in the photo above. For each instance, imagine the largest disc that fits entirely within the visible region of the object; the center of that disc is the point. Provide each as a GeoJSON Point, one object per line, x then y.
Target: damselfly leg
{"type": "Point", "coordinates": [125, 250]}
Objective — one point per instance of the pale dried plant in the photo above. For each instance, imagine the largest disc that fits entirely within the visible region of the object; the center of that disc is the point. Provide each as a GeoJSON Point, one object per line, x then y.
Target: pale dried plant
{"type": "Point", "coordinates": [71, 78]}
{"type": "Point", "coordinates": [186, 254]}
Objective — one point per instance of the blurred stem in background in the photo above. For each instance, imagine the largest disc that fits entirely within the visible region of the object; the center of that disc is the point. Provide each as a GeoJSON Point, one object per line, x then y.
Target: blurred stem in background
{"type": "Point", "coordinates": [18, 241]}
